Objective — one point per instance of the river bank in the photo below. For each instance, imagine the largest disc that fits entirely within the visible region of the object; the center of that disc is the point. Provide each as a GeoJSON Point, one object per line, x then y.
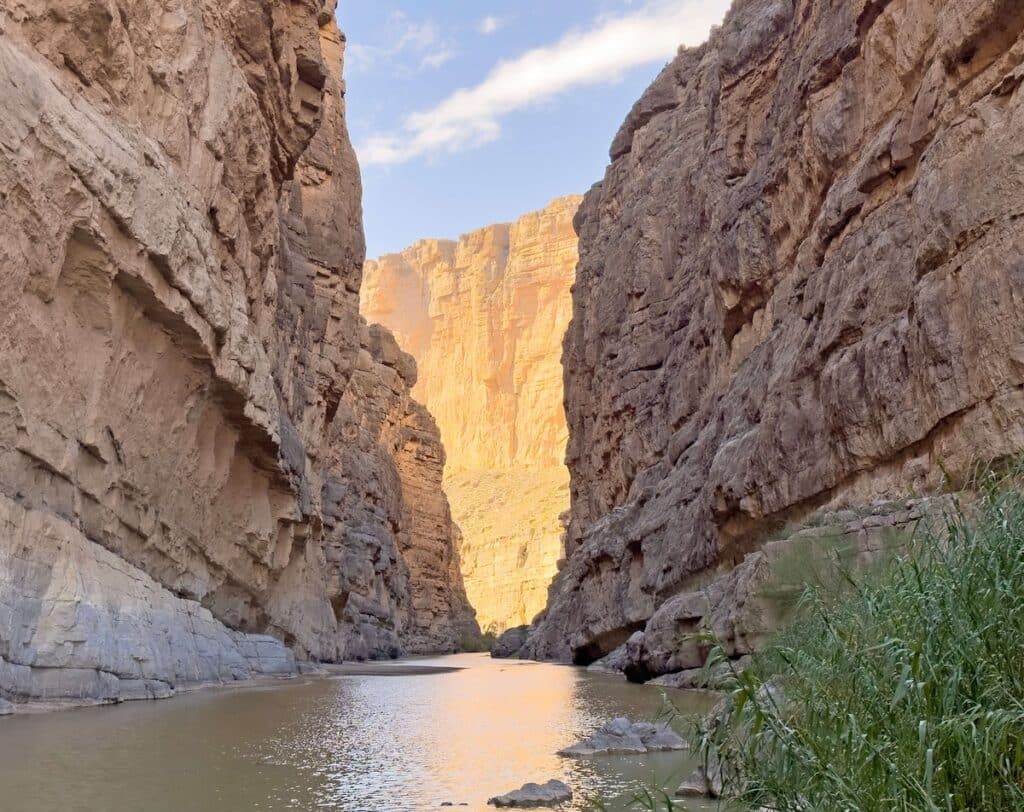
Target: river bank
{"type": "Point", "coordinates": [412, 666]}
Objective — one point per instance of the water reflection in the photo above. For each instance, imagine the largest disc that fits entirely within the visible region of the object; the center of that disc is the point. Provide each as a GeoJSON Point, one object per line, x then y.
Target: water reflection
{"type": "Point", "coordinates": [359, 744]}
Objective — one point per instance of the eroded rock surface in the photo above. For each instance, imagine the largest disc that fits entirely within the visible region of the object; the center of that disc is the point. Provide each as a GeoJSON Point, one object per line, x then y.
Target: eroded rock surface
{"type": "Point", "coordinates": [621, 736]}
{"type": "Point", "coordinates": [742, 608]}
{"type": "Point", "coordinates": [534, 796]}
{"type": "Point", "coordinates": [801, 284]}
{"type": "Point", "coordinates": [484, 317]}
{"type": "Point", "coordinates": [204, 451]}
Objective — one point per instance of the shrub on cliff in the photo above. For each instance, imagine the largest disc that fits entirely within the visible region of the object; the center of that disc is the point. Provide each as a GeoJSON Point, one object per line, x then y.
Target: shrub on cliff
{"type": "Point", "coordinates": [903, 692]}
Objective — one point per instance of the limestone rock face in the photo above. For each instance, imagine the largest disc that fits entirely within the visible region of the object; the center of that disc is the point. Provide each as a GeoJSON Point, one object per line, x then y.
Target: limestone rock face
{"type": "Point", "coordinates": [801, 285]}
{"type": "Point", "coordinates": [199, 435]}
{"type": "Point", "coordinates": [484, 318]}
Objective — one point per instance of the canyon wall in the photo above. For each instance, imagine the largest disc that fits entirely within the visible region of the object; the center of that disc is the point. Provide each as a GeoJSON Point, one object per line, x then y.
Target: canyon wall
{"type": "Point", "coordinates": [209, 463]}
{"type": "Point", "coordinates": [801, 289]}
{"type": "Point", "coordinates": [484, 317]}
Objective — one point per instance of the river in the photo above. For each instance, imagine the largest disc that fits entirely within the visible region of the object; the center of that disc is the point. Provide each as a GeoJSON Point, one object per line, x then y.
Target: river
{"type": "Point", "coordinates": [363, 743]}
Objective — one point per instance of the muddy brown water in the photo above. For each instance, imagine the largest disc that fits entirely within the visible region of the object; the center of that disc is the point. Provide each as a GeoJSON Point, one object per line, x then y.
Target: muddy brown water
{"type": "Point", "coordinates": [364, 742]}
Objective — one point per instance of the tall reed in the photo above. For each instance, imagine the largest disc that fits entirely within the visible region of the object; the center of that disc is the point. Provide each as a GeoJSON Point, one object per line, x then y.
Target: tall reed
{"type": "Point", "coordinates": [903, 691]}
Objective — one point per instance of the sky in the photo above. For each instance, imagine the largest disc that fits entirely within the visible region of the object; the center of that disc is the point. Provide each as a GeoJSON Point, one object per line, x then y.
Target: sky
{"type": "Point", "coordinates": [471, 112]}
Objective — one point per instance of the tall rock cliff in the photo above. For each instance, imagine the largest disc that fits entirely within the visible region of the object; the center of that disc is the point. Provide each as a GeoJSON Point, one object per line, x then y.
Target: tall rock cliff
{"type": "Point", "coordinates": [204, 450]}
{"type": "Point", "coordinates": [484, 317]}
{"type": "Point", "coordinates": [801, 288]}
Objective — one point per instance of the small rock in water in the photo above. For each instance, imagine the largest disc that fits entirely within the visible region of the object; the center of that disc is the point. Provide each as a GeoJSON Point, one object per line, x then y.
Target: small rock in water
{"type": "Point", "coordinates": [6, 708]}
{"type": "Point", "coordinates": [696, 786]}
{"type": "Point", "coordinates": [701, 784]}
{"type": "Point", "coordinates": [620, 736]}
{"type": "Point", "coordinates": [533, 796]}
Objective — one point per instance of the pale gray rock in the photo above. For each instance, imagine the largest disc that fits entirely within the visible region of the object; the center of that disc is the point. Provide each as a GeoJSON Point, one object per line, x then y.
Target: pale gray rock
{"type": "Point", "coordinates": [264, 654]}
{"type": "Point", "coordinates": [714, 679]}
{"type": "Point", "coordinates": [702, 784]}
{"type": "Point", "coordinates": [532, 796]}
{"type": "Point", "coordinates": [130, 690]}
{"type": "Point", "coordinates": [6, 708]}
{"type": "Point", "coordinates": [621, 736]}
{"type": "Point", "coordinates": [78, 623]}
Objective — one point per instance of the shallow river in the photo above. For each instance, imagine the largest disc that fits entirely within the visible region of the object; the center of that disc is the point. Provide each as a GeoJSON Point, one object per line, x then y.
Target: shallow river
{"type": "Point", "coordinates": [355, 743]}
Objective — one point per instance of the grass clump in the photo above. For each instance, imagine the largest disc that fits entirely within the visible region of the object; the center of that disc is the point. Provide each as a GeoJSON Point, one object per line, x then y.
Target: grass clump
{"type": "Point", "coordinates": [477, 643]}
{"type": "Point", "coordinates": [903, 691]}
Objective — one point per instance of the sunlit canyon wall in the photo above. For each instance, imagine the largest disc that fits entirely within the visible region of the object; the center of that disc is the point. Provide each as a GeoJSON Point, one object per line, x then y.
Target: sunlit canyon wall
{"type": "Point", "coordinates": [209, 464]}
{"type": "Point", "coordinates": [484, 317]}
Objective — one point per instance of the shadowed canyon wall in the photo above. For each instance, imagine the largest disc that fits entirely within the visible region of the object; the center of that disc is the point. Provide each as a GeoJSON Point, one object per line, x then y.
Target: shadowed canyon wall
{"type": "Point", "coordinates": [484, 317]}
{"type": "Point", "coordinates": [801, 288]}
{"type": "Point", "coordinates": [204, 450]}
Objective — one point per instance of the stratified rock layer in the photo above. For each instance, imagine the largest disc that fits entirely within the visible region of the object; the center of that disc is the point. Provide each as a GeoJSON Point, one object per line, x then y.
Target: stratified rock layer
{"type": "Point", "coordinates": [801, 285]}
{"type": "Point", "coordinates": [199, 436]}
{"type": "Point", "coordinates": [484, 317]}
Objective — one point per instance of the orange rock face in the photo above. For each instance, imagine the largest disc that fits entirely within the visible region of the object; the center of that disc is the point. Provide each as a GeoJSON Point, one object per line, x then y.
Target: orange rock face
{"type": "Point", "coordinates": [484, 318]}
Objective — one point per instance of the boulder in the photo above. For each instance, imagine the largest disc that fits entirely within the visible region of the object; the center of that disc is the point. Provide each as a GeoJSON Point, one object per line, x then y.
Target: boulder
{"type": "Point", "coordinates": [6, 708]}
{"type": "Point", "coordinates": [621, 736]}
{"type": "Point", "coordinates": [533, 796]}
{"type": "Point", "coordinates": [714, 679]}
{"type": "Point", "coordinates": [703, 782]}
{"type": "Point", "coordinates": [616, 661]}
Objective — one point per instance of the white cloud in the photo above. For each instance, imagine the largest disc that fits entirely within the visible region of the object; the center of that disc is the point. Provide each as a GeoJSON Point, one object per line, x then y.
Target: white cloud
{"type": "Point", "coordinates": [598, 55]}
{"type": "Point", "coordinates": [414, 47]}
{"type": "Point", "coordinates": [490, 25]}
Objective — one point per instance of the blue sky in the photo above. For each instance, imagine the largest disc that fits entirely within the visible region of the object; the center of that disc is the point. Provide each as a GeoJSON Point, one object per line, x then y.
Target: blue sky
{"type": "Point", "coordinates": [471, 112]}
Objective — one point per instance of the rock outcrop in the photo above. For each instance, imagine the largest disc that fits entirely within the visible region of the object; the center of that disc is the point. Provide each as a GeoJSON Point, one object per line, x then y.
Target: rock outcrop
{"type": "Point", "coordinates": [484, 317]}
{"type": "Point", "coordinates": [801, 286]}
{"type": "Point", "coordinates": [623, 737]}
{"type": "Point", "coordinates": [534, 796]}
{"type": "Point", "coordinates": [205, 453]}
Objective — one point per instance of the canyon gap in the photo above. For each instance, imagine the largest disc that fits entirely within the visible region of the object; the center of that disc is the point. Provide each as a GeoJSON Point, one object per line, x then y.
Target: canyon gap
{"type": "Point", "coordinates": [484, 317]}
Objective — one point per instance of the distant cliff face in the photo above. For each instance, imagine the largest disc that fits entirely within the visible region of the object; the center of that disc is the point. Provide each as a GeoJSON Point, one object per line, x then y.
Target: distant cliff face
{"type": "Point", "coordinates": [199, 436]}
{"type": "Point", "coordinates": [801, 286]}
{"type": "Point", "coordinates": [484, 318]}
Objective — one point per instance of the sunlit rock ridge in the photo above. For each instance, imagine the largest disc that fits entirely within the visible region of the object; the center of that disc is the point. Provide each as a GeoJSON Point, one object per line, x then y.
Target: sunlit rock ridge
{"type": "Point", "coordinates": [801, 287]}
{"type": "Point", "coordinates": [484, 317]}
{"type": "Point", "coordinates": [209, 464]}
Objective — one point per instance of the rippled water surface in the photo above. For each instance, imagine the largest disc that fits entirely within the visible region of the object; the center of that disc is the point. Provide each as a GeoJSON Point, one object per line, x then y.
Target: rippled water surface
{"type": "Point", "coordinates": [354, 743]}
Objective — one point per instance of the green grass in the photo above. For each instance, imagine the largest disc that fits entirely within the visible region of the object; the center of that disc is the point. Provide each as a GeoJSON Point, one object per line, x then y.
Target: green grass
{"type": "Point", "coordinates": [902, 691]}
{"type": "Point", "coordinates": [477, 643]}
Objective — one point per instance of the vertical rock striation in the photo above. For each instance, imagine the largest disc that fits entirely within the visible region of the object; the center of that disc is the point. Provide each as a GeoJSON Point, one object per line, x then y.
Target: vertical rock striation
{"type": "Point", "coordinates": [484, 318]}
{"type": "Point", "coordinates": [801, 286]}
{"type": "Point", "coordinates": [205, 453]}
